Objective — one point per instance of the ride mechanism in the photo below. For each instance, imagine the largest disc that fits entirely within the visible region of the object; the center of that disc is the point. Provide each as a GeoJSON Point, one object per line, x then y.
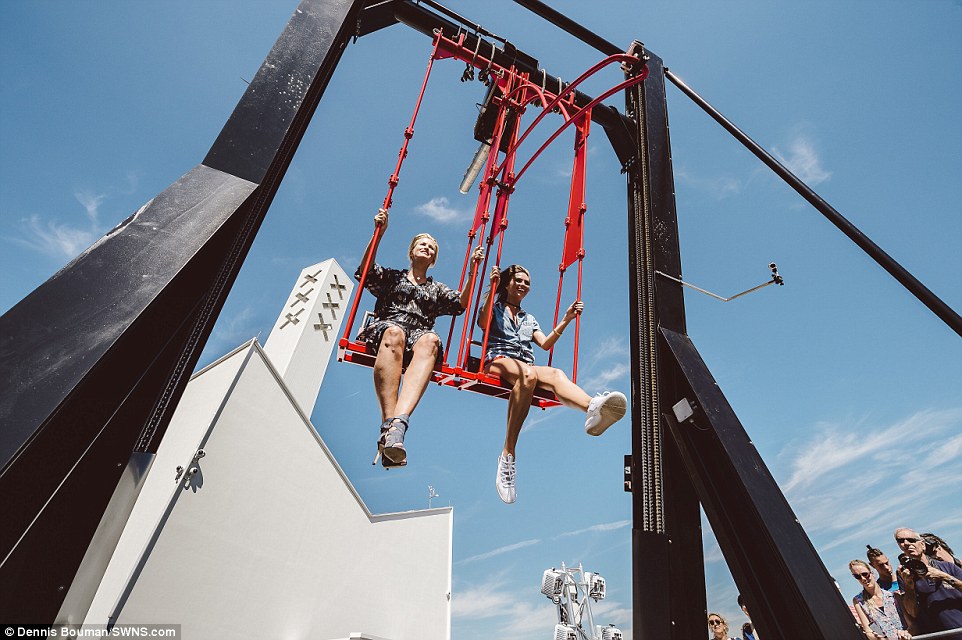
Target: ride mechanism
{"type": "Point", "coordinates": [511, 92]}
{"type": "Point", "coordinates": [572, 590]}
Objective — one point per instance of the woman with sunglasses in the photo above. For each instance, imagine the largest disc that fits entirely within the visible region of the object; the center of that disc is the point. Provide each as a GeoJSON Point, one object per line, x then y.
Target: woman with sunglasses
{"type": "Point", "coordinates": [718, 627]}
{"type": "Point", "coordinates": [875, 606]}
{"type": "Point", "coordinates": [510, 356]}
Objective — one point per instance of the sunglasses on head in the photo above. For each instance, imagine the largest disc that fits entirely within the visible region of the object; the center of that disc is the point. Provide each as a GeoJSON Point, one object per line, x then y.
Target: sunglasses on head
{"type": "Point", "coordinates": [861, 576]}
{"type": "Point", "coordinates": [904, 540]}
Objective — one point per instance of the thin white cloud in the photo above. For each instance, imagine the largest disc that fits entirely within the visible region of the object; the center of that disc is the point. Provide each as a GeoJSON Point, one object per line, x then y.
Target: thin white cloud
{"type": "Point", "coordinates": [487, 600]}
{"type": "Point", "coordinates": [610, 347]}
{"type": "Point", "coordinates": [835, 446]}
{"type": "Point", "coordinates": [712, 551]}
{"type": "Point", "coordinates": [500, 550]}
{"type": "Point", "coordinates": [91, 203]}
{"type": "Point", "coordinates": [538, 418]}
{"type": "Point", "coordinates": [605, 526]}
{"type": "Point", "coordinates": [821, 486]}
{"type": "Point", "coordinates": [440, 210]}
{"type": "Point", "coordinates": [802, 160]}
{"type": "Point", "coordinates": [719, 187]}
{"type": "Point", "coordinates": [63, 241]}
{"type": "Point", "coordinates": [602, 379]}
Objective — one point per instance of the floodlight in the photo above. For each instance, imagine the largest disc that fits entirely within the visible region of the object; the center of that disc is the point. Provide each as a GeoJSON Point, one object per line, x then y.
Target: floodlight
{"type": "Point", "coordinates": [565, 632]}
{"type": "Point", "coordinates": [552, 583]}
{"type": "Point", "coordinates": [596, 586]}
{"type": "Point", "coordinates": [682, 410]}
{"type": "Point", "coordinates": [611, 632]}
{"type": "Point", "coordinates": [477, 163]}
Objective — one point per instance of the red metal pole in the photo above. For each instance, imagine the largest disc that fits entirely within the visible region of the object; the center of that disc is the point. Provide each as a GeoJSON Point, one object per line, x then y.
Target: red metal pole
{"type": "Point", "coordinates": [579, 181]}
{"type": "Point", "coordinates": [557, 303]}
{"type": "Point", "coordinates": [482, 215]}
{"type": "Point", "coordinates": [388, 199]}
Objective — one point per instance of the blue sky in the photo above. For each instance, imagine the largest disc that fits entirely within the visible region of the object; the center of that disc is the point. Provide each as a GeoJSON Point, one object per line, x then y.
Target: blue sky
{"type": "Point", "coordinates": [848, 386]}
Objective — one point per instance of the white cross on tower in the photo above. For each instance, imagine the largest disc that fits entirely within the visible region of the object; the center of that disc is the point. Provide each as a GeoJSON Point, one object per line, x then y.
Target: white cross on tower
{"type": "Point", "coordinates": [322, 326]}
{"type": "Point", "coordinates": [306, 331]}
{"type": "Point", "coordinates": [310, 278]}
{"type": "Point", "coordinates": [300, 298]}
{"type": "Point", "coordinates": [291, 318]}
{"type": "Point", "coordinates": [337, 286]}
{"type": "Point", "coordinates": [331, 306]}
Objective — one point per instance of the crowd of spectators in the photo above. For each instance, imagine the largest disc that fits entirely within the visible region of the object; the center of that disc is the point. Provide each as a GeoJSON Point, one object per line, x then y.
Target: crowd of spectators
{"type": "Point", "coordinates": [921, 594]}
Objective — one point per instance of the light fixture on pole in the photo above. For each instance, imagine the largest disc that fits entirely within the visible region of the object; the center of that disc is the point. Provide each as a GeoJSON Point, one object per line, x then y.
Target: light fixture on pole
{"type": "Point", "coordinates": [572, 590]}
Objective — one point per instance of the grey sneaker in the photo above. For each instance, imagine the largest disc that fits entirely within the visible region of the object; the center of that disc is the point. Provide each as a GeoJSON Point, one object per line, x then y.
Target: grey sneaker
{"type": "Point", "coordinates": [604, 410]}
{"type": "Point", "coordinates": [505, 479]}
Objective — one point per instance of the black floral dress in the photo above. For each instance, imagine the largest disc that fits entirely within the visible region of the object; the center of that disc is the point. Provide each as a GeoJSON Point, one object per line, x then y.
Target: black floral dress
{"type": "Point", "coordinates": [411, 307]}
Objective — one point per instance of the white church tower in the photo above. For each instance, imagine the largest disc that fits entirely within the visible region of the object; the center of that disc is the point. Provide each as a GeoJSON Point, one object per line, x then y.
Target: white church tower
{"type": "Point", "coordinates": [307, 329]}
{"type": "Point", "coordinates": [246, 526]}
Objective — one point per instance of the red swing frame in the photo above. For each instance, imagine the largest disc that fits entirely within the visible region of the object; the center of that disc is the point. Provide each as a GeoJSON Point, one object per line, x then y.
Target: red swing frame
{"type": "Point", "coordinates": [517, 92]}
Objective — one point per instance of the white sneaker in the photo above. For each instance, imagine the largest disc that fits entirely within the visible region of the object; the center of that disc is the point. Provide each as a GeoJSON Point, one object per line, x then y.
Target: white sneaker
{"type": "Point", "coordinates": [604, 410]}
{"type": "Point", "coordinates": [505, 479]}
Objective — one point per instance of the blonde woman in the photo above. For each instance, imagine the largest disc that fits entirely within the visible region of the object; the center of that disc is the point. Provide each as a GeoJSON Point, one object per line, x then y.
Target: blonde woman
{"type": "Point", "coordinates": [875, 606]}
{"type": "Point", "coordinates": [718, 627]}
{"type": "Point", "coordinates": [402, 333]}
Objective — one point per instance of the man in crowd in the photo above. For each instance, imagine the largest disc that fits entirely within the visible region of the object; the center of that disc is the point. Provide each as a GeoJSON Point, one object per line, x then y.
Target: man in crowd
{"type": "Point", "coordinates": [886, 574]}
{"type": "Point", "coordinates": [933, 588]}
{"type": "Point", "coordinates": [748, 629]}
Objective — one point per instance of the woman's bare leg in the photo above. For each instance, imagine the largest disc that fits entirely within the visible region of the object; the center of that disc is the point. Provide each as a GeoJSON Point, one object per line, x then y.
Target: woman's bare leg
{"type": "Point", "coordinates": [418, 374]}
{"type": "Point", "coordinates": [387, 370]}
{"type": "Point", "coordinates": [570, 394]}
{"type": "Point", "coordinates": [524, 381]}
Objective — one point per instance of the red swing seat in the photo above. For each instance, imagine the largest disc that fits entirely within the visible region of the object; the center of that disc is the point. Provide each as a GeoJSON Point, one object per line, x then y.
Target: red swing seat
{"type": "Point", "coordinates": [518, 91]}
{"type": "Point", "coordinates": [445, 375]}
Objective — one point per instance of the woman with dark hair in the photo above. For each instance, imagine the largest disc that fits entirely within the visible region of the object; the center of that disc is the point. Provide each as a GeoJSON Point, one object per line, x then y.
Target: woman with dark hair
{"type": "Point", "coordinates": [937, 548]}
{"type": "Point", "coordinates": [402, 333]}
{"type": "Point", "coordinates": [510, 356]}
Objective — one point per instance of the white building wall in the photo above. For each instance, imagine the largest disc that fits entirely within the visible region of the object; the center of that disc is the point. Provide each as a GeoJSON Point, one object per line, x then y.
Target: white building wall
{"type": "Point", "coordinates": [269, 539]}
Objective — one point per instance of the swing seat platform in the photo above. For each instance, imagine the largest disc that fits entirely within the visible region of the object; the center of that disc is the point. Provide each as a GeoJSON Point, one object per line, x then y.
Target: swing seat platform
{"type": "Point", "coordinates": [448, 376]}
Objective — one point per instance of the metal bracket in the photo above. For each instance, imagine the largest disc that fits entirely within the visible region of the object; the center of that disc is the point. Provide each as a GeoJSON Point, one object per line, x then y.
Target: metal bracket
{"type": "Point", "coordinates": [776, 279]}
{"type": "Point", "coordinates": [627, 473]}
{"type": "Point", "coordinates": [192, 469]}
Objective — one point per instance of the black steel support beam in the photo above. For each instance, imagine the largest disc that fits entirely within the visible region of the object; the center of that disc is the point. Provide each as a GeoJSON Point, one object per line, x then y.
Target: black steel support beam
{"type": "Point", "coordinates": [579, 31]}
{"type": "Point", "coordinates": [935, 304]}
{"type": "Point", "coordinates": [668, 587]}
{"type": "Point", "coordinates": [93, 362]}
{"type": "Point", "coordinates": [787, 589]}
